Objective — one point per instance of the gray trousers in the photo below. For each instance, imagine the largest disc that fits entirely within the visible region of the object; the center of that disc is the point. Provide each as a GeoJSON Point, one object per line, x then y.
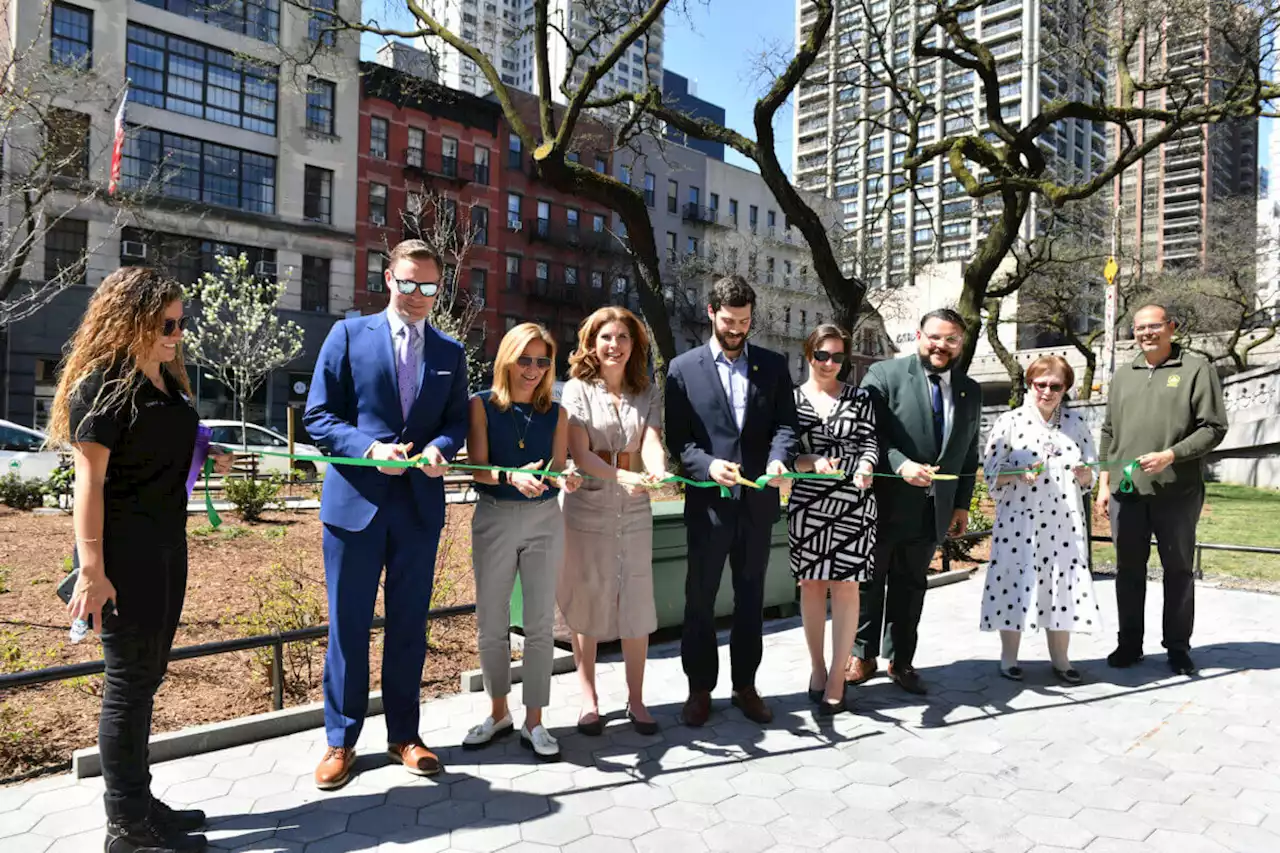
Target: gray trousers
{"type": "Point", "coordinates": [507, 537]}
{"type": "Point", "coordinates": [1172, 520]}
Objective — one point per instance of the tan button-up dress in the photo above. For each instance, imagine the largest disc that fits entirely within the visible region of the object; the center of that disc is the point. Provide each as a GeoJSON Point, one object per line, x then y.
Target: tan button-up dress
{"type": "Point", "coordinates": [606, 585]}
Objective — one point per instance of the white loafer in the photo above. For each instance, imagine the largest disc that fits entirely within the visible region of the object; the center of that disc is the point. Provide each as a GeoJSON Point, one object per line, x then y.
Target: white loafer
{"type": "Point", "coordinates": [544, 746]}
{"type": "Point", "coordinates": [487, 732]}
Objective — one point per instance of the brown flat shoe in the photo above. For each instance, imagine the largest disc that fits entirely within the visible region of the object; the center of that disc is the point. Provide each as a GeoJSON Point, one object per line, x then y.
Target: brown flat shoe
{"type": "Point", "coordinates": [748, 701]}
{"type": "Point", "coordinates": [415, 757]}
{"type": "Point", "coordinates": [909, 680]}
{"type": "Point", "coordinates": [697, 709]}
{"type": "Point", "coordinates": [334, 769]}
{"type": "Point", "coordinates": [859, 670]}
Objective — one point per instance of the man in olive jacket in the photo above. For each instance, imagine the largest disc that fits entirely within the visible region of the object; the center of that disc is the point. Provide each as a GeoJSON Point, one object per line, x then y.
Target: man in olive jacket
{"type": "Point", "coordinates": [928, 414]}
{"type": "Point", "coordinates": [1165, 410]}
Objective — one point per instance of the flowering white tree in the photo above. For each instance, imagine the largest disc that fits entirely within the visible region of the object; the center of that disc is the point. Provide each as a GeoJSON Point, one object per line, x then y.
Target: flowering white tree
{"type": "Point", "coordinates": [239, 337]}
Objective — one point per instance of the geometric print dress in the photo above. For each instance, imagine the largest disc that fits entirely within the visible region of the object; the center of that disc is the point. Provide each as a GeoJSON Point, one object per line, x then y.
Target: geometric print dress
{"type": "Point", "coordinates": [1039, 571]}
{"type": "Point", "coordinates": [832, 524]}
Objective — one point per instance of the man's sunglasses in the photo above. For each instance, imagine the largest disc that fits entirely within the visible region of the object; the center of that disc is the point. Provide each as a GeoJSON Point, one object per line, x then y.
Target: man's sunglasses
{"type": "Point", "coordinates": [822, 356]}
{"type": "Point", "coordinates": [541, 362]}
{"type": "Point", "coordinates": [170, 325]}
{"type": "Point", "coordinates": [426, 288]}
{"type": "Point", "coordinates": [1053, 387]}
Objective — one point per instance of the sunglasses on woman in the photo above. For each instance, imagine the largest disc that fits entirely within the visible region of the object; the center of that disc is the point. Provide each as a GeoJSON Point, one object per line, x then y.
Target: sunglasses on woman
{"type": "Point", "coordinates": [822, 357]}
{"type": "Point", "coordinates": [1053, 387]}
{"type": "Point", "coordinates": [542, 362]}
{"type": "Point", "coordinates": [426, 288]}
{"type": "Point", "coordinates": [170, 325]}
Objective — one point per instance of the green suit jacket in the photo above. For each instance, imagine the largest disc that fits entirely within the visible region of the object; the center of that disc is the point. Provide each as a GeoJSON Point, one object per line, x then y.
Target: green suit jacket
{"type": "Point", "coordinates": [905, 419]}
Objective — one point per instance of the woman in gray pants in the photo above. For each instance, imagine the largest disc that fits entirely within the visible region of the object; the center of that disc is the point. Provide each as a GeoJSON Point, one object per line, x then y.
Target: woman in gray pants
{"type": "Point", "coordinates": [517, 527]}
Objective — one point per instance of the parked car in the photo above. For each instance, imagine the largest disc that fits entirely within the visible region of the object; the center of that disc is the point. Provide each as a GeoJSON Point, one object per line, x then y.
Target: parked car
{"type": "Point", "coordinates": [22, 453]}
{"type": "Point", "coordinates": [228, 434]}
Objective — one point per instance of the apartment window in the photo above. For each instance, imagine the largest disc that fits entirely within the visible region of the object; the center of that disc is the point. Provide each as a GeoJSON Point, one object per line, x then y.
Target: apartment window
{"type": "Point", "coordinates": [321, 28]}
{"type": "Point", "coordinates": [671, 245]}
{"type": "Point", "coordinates": [753, 217]}
{"type": "Point", "coordinates": [733, 211]}
{"type": "Point", "coordinates": [570, 281]}
{"type": "Point", "coordinates": [650, 188]}
{"type": "Point", "coordinates": [66, 244]}
{"type": "Point", "coordinates": [378, 204]}
{"type": "Point", "coordinates": [691, 248]}
{"type": "Point", "coordinates": [513, 212]}
{"type": "Point", "coordinates": [542, 271]}
{"type": "Point", "coordinates": [195, 170]}
{"type": "Point", "coordinates": [573, 157]}
{"type": "Point", "coordinates": [542, 225]}
{"type": "Point", "coordinates": [514, 158]}
{"type": "Point", "coordinates": [375, 265]}
{"type": "Point", "coordinates": [597, 280]}
{"type": "Point", "coordinates": [480, 225]}
{"type": "Point", "coordinates": [771, 219]}
{"type": "Point", "coordinates": [482, 165]}
{"type": "Point", "coordinates": [571, 219]}
{"type": "Point", "coordinates": [513, 272]}
{"type": "Point", "coordinates": [317, 194]}
{"type": "Point", "coordinates": [72, 42]}
{"type": "Point", "coordinates": [181, 76]}
{"type": "Point", "coordinates": [597, 224]}
{"type": "Point", "coordinates": [601, 166]}
{"type": "Point", "coordinates": [624, 175]}
{"type": "Point", "coordinates": [695, 196]}
{"type": "Point", "coordinates": [315, 284]}
{"type": "Point", "coordinates": [68, 148]}
{"type": "Point", "coordinates": [414, 154]}
{"type": "Point", "coordinates": [379, 133]}
{"type": "Point", "coordinates": [449, 156]}
{"type": "Point", "coordinates": [713, 201]}
{"type": "Point", "coordinates": [258, 19]}
{"type": "Point", "coordinates": [673, 196]}
{"type": "Point", "coordinates": [804, 319]}
{"type": "Point", "coordinates": [479, 284]}
{"type": "Point", "coordinates": [320, 98]}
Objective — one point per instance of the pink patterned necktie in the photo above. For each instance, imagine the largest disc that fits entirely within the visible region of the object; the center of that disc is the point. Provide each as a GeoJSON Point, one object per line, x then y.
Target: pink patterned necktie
{"type": "Point", "coordinates": [407, 367]}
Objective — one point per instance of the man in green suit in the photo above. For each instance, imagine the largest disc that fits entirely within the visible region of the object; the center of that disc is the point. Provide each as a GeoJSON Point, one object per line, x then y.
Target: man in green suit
{"type": "Point", "coordinates": [928, 415]}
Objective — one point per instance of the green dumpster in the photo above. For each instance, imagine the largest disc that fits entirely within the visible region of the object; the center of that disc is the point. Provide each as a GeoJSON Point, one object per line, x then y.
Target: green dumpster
{"type": "Point", "coordinates": [670, 564]}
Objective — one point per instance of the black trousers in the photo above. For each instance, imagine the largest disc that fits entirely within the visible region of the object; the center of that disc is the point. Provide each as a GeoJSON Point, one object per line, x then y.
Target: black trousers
{"type": "Point", "coordinates": [1172, 520]}
{"type": "Point", "coordinates": [890, 604]}
{"type": "Point", "coordinates": [135, 647]}
{"type": "Point", "coordinates": [727, 529]}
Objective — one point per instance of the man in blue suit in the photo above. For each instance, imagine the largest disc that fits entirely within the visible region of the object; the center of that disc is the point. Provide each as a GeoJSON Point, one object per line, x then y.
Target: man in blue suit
{"type": "Point", "coordinates": [385, 386]}
{"type": "Point", "coordinates": [730, 412]}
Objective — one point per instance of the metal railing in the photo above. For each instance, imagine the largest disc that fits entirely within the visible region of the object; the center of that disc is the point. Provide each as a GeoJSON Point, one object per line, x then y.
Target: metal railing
{"type": "Point", "coordinates": [276, 642]}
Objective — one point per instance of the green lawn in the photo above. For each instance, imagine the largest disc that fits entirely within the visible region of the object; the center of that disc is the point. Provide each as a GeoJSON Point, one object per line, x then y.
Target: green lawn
{"type": "Point", "coordinates": [1233, 515]}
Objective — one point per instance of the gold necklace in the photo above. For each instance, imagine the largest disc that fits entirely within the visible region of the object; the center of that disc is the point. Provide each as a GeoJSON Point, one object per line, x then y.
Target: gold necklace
{"type": "Point", "coordinates": [528, 421]}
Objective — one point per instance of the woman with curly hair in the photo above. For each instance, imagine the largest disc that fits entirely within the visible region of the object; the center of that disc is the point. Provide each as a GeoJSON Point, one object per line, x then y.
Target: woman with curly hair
{"type": "Point", "coordinates": [615, 436]}
{"type": "Point", "coordinates": [123, 405]}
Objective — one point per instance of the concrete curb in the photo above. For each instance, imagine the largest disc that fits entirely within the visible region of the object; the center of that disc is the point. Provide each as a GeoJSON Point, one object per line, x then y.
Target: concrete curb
{"type": "Point", "coordinates": [224, 735]}
{"type": "Point", "coordinates": [951, 577]}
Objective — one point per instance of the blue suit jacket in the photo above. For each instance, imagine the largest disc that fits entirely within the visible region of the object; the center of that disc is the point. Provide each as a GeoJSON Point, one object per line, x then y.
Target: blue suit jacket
{"type": "Point", "coordinates": [355, 401]}
{"type": "Point", "coordinates": [700, 426]}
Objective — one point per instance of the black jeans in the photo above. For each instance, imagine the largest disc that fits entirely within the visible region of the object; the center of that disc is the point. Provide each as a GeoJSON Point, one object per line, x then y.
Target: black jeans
{"type": "Point", "coordinates": [730, 530]}
{"type": "Point", "coordinates": [135, 647]}
{"type": "Point", "coordinates": [1172, 520]}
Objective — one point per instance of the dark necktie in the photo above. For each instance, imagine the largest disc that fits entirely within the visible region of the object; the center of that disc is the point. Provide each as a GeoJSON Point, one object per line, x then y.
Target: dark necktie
{"type": "Point", "coordinates": [935, 397]}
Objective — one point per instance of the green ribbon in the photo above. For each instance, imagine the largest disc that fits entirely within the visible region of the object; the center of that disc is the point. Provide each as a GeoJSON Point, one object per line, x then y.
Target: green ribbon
{"type": "Point", "coordinates": [215, 520]}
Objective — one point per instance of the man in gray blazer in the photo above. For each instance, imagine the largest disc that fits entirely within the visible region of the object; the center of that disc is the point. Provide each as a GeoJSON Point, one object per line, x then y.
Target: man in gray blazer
{"type": "Point", "coordinates": [928, 415]}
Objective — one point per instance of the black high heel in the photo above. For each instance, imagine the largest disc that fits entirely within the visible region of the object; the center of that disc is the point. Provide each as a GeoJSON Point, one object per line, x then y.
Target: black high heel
{"type": "Point", "coordinates": [642, 728]}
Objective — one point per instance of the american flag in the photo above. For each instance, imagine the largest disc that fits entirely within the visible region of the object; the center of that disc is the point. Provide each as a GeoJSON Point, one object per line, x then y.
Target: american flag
{"type": "Point", "coordinates": [117, 149]}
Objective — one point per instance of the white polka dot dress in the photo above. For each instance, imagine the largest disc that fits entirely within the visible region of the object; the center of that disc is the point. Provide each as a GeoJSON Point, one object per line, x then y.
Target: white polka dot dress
{"type": "Point", "coordinates": [1039, 572]}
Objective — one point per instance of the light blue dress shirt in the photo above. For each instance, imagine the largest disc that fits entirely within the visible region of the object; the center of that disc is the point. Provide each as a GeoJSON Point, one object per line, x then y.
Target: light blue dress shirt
{"type": "Point", "coordinates": [733, 378]}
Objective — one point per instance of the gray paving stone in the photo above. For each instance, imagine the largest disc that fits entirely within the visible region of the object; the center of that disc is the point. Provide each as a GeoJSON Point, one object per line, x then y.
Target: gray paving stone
{"type": "Point", "coordinates": [515, 808]}
{"type": "Point", "coordinates": [1112, 824]}
{"type": "Point", "coordinates": [1165, 839]}
{"type": "Point", "coordinates": [866, 823]}
{"type": "Point", "coordinates": [70, 822]}
{"type": "Point", "coordinates": [30, 843]}
{"type": "Point", "coordinates": [932, 816]}
{"type": "Point", "coordinates": [343, 843]}
{"type": "Point", "coordinates": [737, 838]}
{"type": "Point", "coordinates": [598, 844]}
{"type": "Point", "coordinates": [309, 827]}
{"type": "Point", "coordinates": [1244, 839]}
{"type": "Point", "coordinates": [758, 811]}
{"type": "Point", "coordinates": [807, 833]}
{"type": "Point", "coordinates": [668, 840]}
{"type": "Point", "coordinates": [924, 841]}
{"type": "Point", "coordinates": [1219, 808]}
{"type": "Point", "coordinates": [759, 784]}
{"type": "Point", "coordinates": [991, 839]}
{"type": "Point", "coordinates": [692, 817]}
{"type": "Point", "coordinates": [1054, 830]}
{"type": "Point", "coordinates": [622, 822]}
{"type": "Point", "coordinates": [812, 804]}
{"type": "Point", "coordinates": [555, 830]}
{"type": "Point", "coordinates": [61, 800]}
{"type": "Point", "coordinates": [484, 837]}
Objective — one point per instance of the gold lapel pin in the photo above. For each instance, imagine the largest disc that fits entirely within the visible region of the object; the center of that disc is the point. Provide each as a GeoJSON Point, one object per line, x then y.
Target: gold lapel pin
{"type": "Point", "coordinates": [755, 367]}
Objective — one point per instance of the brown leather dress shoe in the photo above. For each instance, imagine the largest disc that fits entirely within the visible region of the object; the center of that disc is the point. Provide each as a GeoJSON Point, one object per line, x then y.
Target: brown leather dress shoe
{"type": "Point", "coordinates": [909, 680]}
{"type": "Point", "coordinates": [859, 670]}
{"type": "Point", "coordinates": [334, 769]}
{"type": "Point", "coordinates": [415, 757]}
{"type": "Point", "coordinates": [748, 701]}
{"type": "Point", "coordinates": [697, 708]}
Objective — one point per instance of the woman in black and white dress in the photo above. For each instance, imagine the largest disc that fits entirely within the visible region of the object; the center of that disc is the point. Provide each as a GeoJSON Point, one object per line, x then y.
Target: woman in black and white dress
{"type": "Point", "coordinates": [832, 523]}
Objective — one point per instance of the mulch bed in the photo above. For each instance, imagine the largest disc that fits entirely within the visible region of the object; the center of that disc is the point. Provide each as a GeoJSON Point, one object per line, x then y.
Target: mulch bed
{"type": "Point", "coordinates": [244, 579]}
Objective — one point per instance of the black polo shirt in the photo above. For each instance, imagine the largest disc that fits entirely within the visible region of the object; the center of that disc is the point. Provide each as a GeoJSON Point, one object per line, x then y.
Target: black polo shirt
{"type": "Point", "coordinates": [152, 437]}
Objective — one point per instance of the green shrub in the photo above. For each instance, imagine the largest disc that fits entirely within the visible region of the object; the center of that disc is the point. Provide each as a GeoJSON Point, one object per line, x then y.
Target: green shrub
{"type": "Point", "coordinates": [287, 599]}
{"type": "Point", "coordinates": [60, 485]}
{"type": "Point", "coordinates": [253, 497]}
{"type": "Point", "coordinates": [21, 494]}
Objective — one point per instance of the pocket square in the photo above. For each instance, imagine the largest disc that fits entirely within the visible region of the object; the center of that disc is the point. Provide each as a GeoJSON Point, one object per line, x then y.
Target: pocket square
{"type": "Point", "coordinates": [442, 373]}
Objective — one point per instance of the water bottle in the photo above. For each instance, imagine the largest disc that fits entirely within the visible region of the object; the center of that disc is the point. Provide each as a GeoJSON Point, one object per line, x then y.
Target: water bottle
{"type": "Point", "coordinates": [79, 630]}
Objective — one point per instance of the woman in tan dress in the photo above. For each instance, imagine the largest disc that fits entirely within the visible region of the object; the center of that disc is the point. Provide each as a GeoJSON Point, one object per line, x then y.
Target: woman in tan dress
{"type": "Point", "coordinates": [615, 437]}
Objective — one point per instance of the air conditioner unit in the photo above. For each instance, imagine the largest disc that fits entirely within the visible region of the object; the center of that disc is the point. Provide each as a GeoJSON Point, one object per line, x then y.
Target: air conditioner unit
{"type": "Point", "coordinates": [265, 268]}
{"type": "Point", "coordinates": [133, 249]}
{"type": "Point", "coordinates": [514, 225]}
{"type": "Point", "coordinates": [378, 218]}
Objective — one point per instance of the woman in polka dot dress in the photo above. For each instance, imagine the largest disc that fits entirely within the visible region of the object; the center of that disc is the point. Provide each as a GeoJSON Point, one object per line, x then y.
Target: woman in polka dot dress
{"type": "Point", "coordinates": [1039, 572]}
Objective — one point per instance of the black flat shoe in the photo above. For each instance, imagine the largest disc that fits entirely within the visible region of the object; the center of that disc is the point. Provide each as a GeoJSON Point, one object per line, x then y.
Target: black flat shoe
{"type": "Point", "coordinates": [1068, 676]}
{"type": "Point", "coordinates": [1013, 673]}
{"type": "Point", "coordinates": [1124, 657]}
{"type": "Point", "coordinates": [831, 709]}
{"type": "Point", "coordinates": [642, 728]}
{"type": "Point", "coordinates": [815, 696]}
{"type": "Point", "coordinates": [594, 728]}
{"type": "Point", "coordinates": [1181, 663]}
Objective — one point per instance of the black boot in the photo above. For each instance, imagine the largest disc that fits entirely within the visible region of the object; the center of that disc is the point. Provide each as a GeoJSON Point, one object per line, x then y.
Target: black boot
{"type": "Point", "coordinates": [176, 820]}
{"type": "Point", "coordinates": [146, 836]}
